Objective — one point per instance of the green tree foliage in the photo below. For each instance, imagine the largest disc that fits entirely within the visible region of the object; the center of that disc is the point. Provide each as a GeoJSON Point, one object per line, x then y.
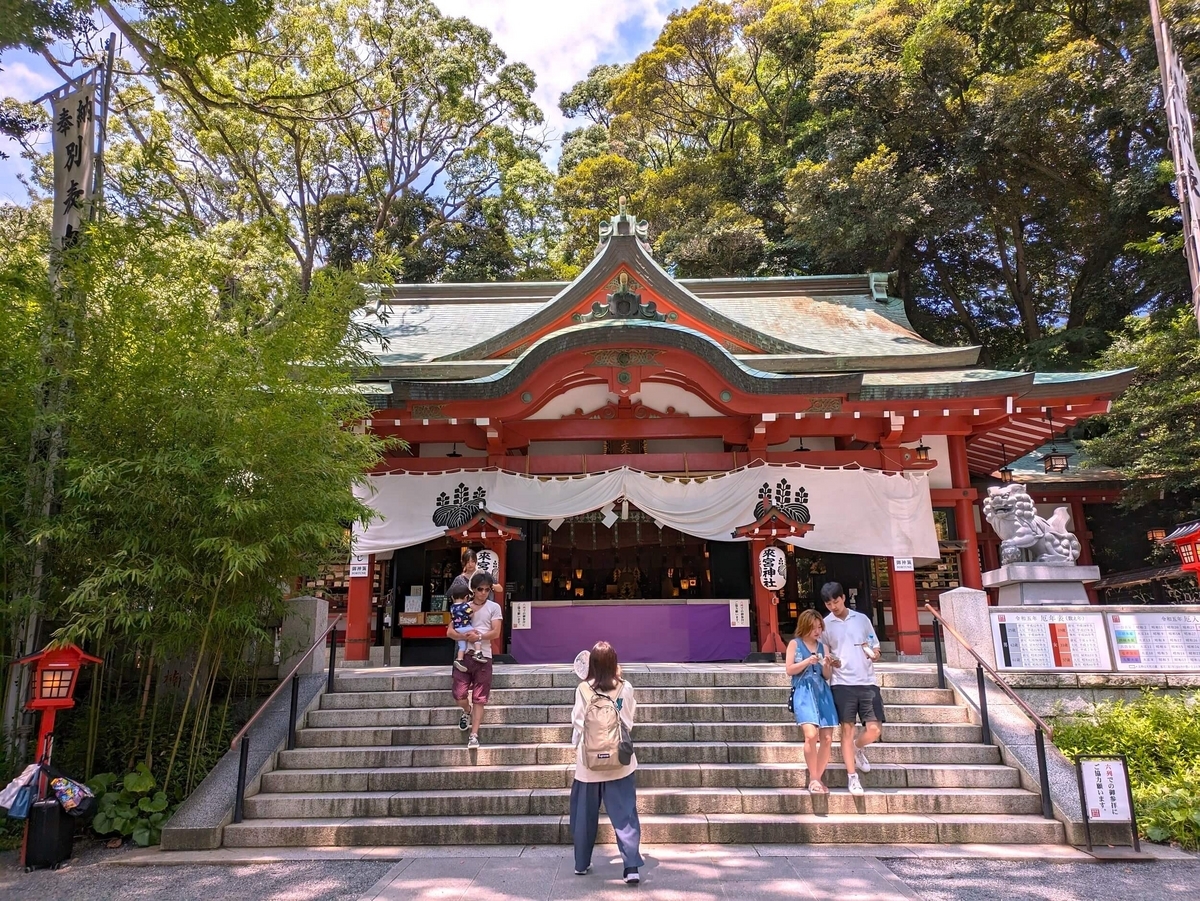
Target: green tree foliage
{"type": "Point", "coordinates": [175, 34]}
{"type": "Point", "coordinates": [355, 129]}
{"type": "Point", "coordinates": [207, 458]}
{"type": "Point", "coordinates": [1151, 433]}
{"type": "Point", "coordinates": [1006, 159]}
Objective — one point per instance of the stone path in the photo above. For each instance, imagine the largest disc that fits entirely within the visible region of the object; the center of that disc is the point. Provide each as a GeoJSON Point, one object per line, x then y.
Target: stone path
{"type": "Point", "coordinates": [672, 873]}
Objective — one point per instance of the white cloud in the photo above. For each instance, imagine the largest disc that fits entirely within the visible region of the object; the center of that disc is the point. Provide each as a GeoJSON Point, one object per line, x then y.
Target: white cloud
{"type": "Point", "coordinates": [24, 82]}
{"type": "Point", "coordinates": [562, 39]}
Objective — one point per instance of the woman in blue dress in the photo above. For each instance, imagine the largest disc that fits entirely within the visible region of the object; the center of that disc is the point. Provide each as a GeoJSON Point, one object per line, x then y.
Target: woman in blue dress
{"type": "Point", "coordinates": [809, 666]}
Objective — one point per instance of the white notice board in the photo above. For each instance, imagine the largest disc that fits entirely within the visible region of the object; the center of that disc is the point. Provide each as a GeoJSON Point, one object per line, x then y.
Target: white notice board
{"type": "Point", "coordinates": [359, 566]}
{"type": "Point", "coordinates": [1155, 642]}
{"type": "Point", "coordinates": [1106, 790]}
{"type": "Point", "coordinates": [522, 615]}
{"type": "Point", "coordinates": [1050, 641]}
{"type": "Point", "coordinates": [739, 613]}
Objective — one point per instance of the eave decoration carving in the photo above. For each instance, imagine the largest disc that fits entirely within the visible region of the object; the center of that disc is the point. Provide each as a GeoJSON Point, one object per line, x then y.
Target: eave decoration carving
{"type": "Point", "coordinates": [623, 409]}
{"type": "Point", "coordinates": [623, 303]}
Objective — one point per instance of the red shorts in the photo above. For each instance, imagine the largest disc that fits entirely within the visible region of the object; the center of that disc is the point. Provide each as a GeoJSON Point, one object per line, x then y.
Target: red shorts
{"type": "Point", "coordinates": [477, 679]}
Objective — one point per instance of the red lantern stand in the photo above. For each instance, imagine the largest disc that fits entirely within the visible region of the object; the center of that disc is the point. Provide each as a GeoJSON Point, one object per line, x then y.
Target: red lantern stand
{"type": "Point", "coordinates": [763, 532]}
{"type": "Point", "coordinates": [494, 533]}
{"type": "Point", "coordinates": [1186, 539]}
{"type": "Point", "coordinates": [55, 677]}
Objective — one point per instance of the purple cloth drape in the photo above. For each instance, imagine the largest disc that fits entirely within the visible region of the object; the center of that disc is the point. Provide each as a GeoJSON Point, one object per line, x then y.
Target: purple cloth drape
{"type": "Point", "coordinates": [640, 633]}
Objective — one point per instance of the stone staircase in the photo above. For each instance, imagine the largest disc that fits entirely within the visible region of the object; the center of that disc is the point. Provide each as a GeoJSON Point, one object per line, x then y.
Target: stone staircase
{"type": "Point", "coordinates": [382, 763]}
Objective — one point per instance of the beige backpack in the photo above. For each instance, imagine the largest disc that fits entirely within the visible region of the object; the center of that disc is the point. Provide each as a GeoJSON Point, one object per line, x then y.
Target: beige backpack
{"type": "Point", "coordinates": [601, 730]}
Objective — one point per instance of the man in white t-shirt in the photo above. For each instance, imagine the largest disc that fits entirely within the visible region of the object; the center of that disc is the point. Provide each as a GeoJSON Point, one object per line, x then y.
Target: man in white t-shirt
{"type": "Point", "coordinates": [851, 639]}
{"type": "Point", "coordinates": [473, 687]}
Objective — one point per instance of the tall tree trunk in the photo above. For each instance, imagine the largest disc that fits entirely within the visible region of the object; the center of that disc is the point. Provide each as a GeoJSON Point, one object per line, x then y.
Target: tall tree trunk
{"type": "Point", "coordinates": [960, 306]}
{"type": "Point", "coordinates": [1016, 276]}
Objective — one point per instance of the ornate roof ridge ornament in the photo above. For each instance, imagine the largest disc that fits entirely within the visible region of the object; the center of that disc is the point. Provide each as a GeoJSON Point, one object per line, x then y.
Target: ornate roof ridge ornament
{"type": "Point", "coordinates": [623, 303]}
{"type": "Point", "coordinates": [624, 224]}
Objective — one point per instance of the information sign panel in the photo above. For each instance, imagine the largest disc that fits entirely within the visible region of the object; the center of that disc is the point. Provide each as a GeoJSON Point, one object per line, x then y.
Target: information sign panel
{"type": "Point", "coordinates": [359, 567]}
{"type": "Point", "coordinates": [1149, 642]}
{"type": "Point", "coordinates": [1105, 795]}
{"type": "Point", "coordinates": [1050, 641]}
{"type": "Point", "coordinates": [522, 615]}
{"type": "Point", "coordinates": [1104, 790]}
{"type": "Point", "coordinates": [903, 564]}
{"type": "Point", "coordinates": [739, 613]}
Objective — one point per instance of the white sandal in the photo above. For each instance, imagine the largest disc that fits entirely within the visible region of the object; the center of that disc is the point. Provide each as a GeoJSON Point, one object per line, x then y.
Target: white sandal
{"type": "Point", "coordinates": [816, 787]}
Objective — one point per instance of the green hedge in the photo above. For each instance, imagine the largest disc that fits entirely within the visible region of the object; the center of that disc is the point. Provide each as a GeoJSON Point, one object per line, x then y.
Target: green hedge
{"type": "Point", "coordinates": [1159, 735]}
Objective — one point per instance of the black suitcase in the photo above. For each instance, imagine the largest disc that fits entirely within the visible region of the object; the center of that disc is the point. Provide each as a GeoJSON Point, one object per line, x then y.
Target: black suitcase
{"type": "Point", "coordinates": [51, 835]}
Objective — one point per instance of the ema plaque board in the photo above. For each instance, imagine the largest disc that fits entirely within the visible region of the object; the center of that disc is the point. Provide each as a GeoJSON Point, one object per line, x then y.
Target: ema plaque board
{"type": "Point", "coordinates": [1050, 641]}
{"type": "Point", "coordinates": [1155, 642]}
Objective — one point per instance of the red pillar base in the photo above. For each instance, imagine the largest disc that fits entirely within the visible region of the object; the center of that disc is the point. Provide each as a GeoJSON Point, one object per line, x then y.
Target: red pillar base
{"type": "Point", "coordinates": [964, 513]}
{"type": "Point", "coordinates": [358, 615]}
{"type": "Point", "coordinates": [906, 625]}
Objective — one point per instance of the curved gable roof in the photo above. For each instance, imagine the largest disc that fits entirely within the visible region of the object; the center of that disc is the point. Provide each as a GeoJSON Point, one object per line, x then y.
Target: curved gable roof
{"type": "Point", "coordinates": [625, 250]}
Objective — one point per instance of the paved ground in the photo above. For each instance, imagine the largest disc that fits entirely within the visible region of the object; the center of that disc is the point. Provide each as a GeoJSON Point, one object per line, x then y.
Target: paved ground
{"type": "Point", "coordinates": [672, 873]}
{"type": "Point", "coordinates": [1003, 880]}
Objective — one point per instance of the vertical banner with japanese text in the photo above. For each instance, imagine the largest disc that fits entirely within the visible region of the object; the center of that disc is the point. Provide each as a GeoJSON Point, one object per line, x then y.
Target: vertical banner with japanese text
{"type": "Point", "coordinates": [74, 128]}
{"type": "Point", "coordinates": [1182, 140]}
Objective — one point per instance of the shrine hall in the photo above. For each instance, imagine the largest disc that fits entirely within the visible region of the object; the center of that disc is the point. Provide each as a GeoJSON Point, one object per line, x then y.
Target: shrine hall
{"type": "Point", "coordinates": [678, 465]}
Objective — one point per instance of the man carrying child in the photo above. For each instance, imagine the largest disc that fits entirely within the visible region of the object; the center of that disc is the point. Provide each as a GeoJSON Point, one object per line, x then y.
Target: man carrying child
{"type": "Point", "coordinates": [473, 683]}
{"type": "Point", "coordinates": [460, 621]}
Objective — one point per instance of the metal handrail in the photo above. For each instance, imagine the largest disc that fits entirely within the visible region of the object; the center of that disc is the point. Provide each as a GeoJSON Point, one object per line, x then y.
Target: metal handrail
{"type": "Point", "coordinates": [996, 677]}
{"type": "Point", "coordinates": [1041, 730]}
{"type": "Point", "coordinates": [242, 739]}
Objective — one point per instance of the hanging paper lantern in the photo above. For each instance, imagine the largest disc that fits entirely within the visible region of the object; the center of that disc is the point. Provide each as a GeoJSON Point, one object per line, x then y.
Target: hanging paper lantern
{"type": "Point", "coordinates": [772, 568]}
{"type": "Point", "coordinates": [487, 562]}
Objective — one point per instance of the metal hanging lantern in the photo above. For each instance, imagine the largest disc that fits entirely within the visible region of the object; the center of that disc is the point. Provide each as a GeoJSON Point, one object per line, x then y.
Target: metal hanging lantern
{"type": "Point", "coordinates": [1056, 460]}
{"type": "Point", "coordinates": [1006, 473]}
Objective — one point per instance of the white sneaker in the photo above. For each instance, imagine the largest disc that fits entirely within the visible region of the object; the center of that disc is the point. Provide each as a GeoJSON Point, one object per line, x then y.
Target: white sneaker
{"type": "Point", "coordinates": [854, 785]}
{"type": "Point", "coordinates": [860, 760]}
{"type": "Point", "coordinates": [472, 742]}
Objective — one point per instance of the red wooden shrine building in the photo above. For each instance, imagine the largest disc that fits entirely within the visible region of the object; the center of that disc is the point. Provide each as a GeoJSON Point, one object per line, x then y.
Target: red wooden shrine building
{"type": "Point", "coordinates": [683, 385]}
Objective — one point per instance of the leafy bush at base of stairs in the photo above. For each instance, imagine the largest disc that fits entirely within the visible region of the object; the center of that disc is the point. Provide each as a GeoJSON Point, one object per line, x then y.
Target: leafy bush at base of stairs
{"type": "Point", "coordinates": [131, 807]}
{"type": "Point", "coordinates": [1159, 735]}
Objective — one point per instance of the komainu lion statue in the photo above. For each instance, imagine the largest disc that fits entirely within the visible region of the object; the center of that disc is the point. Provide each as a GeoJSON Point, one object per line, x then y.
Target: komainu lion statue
{"type": "Point", "coordinates": [1026, 537]}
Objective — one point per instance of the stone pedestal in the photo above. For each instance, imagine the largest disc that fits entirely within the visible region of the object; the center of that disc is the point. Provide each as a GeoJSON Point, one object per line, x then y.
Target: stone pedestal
{"type": "Point", "coordinates": [1023, 584]}
{"type": "Point", "coordinates": [303, 622]}
{"type": "Point", "coordinates": [966, 609]}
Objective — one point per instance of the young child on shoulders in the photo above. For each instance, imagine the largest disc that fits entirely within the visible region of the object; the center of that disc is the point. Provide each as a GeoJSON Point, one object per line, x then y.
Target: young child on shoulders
{"type": "Point", "coordinates": [460, 619]}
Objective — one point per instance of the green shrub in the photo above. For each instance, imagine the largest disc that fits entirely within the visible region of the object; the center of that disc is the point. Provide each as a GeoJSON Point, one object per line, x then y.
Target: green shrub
{"type": "Point", "coordinates": [1170, 809]}
{"type": "Point", "coordinates": [1159, 735]}
{"type": "Point", "coordinates": [130, 807]}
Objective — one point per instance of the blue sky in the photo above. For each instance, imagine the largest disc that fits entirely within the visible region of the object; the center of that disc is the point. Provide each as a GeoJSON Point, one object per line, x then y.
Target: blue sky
{"type": "Point", "coordinates": [559, 39]}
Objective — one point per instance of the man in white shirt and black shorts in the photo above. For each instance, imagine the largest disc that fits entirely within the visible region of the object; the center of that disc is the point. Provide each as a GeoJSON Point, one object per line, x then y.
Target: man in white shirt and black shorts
{"type": "Point", "coordinates": [851, 639]}
{"type": "Point", "coordinates": [473, 686]}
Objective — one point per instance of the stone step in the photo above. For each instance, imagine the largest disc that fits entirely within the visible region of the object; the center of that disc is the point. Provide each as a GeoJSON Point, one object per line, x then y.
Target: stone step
{"type": "Point", "coordinates": [763, 675]}
{"type": "Point", "coordinates": [651, 801]}
{"type": "Point", "coordinates": [739, 828]}
{"type": "Point", "coordinates": [646, 713]}
{"type": "Point", "coordinates": [504, 734]}
{"type": "Point", "coordinates": [647, 752]}
{"type": "Point", "coordinates": [545, 697]}
{"type": "Point", "coordinates": [675, 776]}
